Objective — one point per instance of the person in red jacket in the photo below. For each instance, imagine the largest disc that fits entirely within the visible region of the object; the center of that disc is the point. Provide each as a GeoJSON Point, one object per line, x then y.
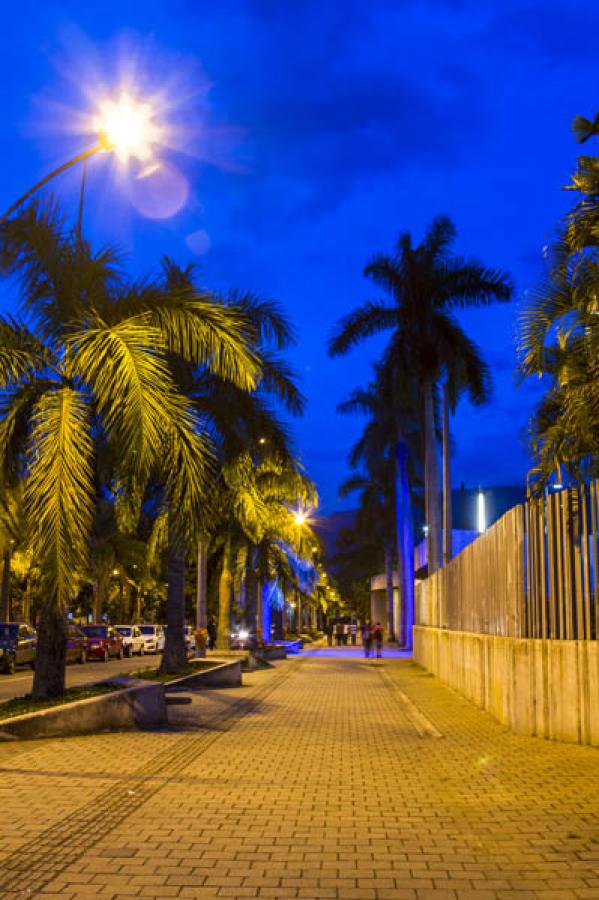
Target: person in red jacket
{"type": "Point", "coordinates": [377, 637]}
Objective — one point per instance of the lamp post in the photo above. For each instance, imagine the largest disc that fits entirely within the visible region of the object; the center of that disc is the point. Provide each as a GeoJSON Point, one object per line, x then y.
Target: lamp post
{"type": "Point", "coordinates": [124, 126]}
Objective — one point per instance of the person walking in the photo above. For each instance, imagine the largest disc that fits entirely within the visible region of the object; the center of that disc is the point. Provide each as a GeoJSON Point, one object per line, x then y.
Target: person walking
{"type": "Point", "coordinates": [211, 628]}
{"type": "Point", "coordinates": [366, 639]}
{"type": "Point", "coordinates": [377, 636]}
{"type": "Point", "coordinates": [339, 633]}
{"type": "Point", "coordinates": [329, 633]}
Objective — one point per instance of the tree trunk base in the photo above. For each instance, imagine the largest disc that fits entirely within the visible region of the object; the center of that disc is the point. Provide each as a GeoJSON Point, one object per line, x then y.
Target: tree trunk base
{"type": "Point", "coordinates": [50, 664]}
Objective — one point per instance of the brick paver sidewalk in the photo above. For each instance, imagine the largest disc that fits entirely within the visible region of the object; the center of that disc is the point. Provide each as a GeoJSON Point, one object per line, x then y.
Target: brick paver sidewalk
{"type": "Point", "coordinates": [329, 777]}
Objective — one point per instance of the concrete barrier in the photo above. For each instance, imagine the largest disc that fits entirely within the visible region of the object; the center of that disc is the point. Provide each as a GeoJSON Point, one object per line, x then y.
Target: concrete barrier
{"type": "Point", "coordinates": [221, 674]}
{"type": "Point", "coordinates": [271, 653]}
{"type": "Point", "coordinates": [141, 705]}
{"type": "Point", "coordinates": [538, 687]}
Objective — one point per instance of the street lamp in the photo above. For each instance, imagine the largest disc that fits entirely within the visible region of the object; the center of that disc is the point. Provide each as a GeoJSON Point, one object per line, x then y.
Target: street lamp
{"type": "Point", "coordinates": [125, 127]}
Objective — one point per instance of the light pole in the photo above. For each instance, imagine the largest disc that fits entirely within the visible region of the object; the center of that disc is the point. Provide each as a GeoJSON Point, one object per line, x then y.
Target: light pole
{"type": "Point", "coordinates": [125, 126]}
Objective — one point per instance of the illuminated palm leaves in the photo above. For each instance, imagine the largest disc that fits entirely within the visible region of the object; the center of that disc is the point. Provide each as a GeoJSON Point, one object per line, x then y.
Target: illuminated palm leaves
{"type": "Point", "coordinates": [559, 336]}
{"type": "Point", "coordinates": [59, 487]}
{"type": "Point", "coordinates": [94, 358]}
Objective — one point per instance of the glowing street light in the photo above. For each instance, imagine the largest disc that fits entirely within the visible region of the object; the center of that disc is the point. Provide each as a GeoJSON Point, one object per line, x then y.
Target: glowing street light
{"type": "Point", "coordinates": [126, 127]}
{"type": "Point", "coordinates": [300, 517]}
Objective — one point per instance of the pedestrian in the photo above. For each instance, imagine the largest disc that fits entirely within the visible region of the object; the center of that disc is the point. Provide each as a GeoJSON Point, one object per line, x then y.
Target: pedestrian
{"type": "Point", "coordinates": [211, 633]}
{"type": "Point", "coordinates": [201, 639]}
{"type": "Point", "coordinates": [366, 639]}
{"type": "Point", "coordinates": [345, 633]}
{"type": "Point", "coordinates": [329, 633]}
{"type": "Point", "coordinates": [377, 636]}
{"type": "Point", "coordinates": [339, 633]}
{"type": "Point", "coordinates": [353, 631]}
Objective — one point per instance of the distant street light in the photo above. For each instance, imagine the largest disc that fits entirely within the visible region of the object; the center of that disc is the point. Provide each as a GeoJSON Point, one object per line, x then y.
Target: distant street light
{"type": "Point", "coordinates": [125, 127]}
{"type": "Point", "coordinates": [481, 514]}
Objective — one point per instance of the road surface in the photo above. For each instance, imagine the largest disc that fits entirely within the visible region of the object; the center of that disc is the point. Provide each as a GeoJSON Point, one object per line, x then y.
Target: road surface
{"type": "Point", "coordinates": [20, 683]}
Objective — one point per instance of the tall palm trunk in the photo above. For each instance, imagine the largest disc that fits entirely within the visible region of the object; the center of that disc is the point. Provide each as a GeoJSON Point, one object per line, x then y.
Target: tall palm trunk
{"type": "Point", "coordinates": [174, 658]}
{"type": "Point", "coordinates": [405, 546]}
{"type": "Point", "coordinates": [99, 595]}
{"type": "Point", "coordinates": [298, 611]}
{"type": "Point", "coordinates": [27, 600]}
{"type": "Point", "coordinates": [266, 610]}
{"type": "Point", "coordinates": [259, 611]}
{"type": "Point", "coordinates": [431, 482]}
{"type": "Point", "coordinates": [447, 510]}
{"type": "Point", "coordinates": [389, 588]}
{"type": "Point", "coordinates": [202, 585]}
{"type": "Point", "coordinates": [5, 599]}
{"type": "Point", "coordinates": [251, 595]}
{"type": "Point", "coordinates": [225, 586]}
{"type": "Point", "coordinates": [50, 662]}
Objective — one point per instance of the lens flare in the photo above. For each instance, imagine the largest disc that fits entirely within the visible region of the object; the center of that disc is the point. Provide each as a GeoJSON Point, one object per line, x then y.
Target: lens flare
{"type": "Point", "coordinates": [148, 107]}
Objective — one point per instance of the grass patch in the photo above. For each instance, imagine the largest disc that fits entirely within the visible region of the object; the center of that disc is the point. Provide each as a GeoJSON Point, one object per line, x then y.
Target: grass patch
{"type": "Point", "coordinates": [19, 706]}
{"type": "Point", "coordinates": [165, 677]}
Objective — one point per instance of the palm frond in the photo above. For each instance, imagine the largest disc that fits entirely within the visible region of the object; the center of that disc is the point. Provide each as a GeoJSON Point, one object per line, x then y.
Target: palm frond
{"type": "Point", "coordinates": [22, 354]}
{"type": "Point", "coordinates": [59, 489]}
{"type": "Point", "coordinates": [369, 319]}
{"type": "Point", "coordinates": [279, 381]}
{"type": "Point", "coordinates": [267, 322]}
{"type": "Point", "coordinates": [186, 467]}
{"type": "Point", "coordinates": [463, 283]}
{"type": "Point", "coordinates": [127, 372]}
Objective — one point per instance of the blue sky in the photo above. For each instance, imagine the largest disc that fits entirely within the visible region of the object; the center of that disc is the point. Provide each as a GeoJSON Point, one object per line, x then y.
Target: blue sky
{"type": "Point", "coordinates": [320, 131]}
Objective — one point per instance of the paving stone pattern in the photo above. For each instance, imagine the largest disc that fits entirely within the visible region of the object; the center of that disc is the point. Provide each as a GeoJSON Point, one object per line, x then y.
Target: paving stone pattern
{"type": "Point", "coordinates": [330, 776]}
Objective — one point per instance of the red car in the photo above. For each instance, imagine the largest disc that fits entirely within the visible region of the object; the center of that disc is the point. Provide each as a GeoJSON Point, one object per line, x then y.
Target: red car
{"type": "Point", "coordinates": [103, 641]}
{"type": "Point", "coordinates": [76, 644]}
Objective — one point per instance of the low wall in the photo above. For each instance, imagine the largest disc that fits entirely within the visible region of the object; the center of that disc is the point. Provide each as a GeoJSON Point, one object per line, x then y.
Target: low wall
{"type": "Point", "coordinates": [221, 674]}
{"type": "Point", "coordinates": [538, 687]}
{"type": "Point", "coordinates": [139, 706]}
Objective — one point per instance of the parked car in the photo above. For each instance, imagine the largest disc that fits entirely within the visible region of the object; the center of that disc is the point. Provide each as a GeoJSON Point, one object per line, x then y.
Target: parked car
{"type": "Point", "coordinates": [103, 641]}
{"type": "Point", "coordinates": [18, 646]}
{"type": "Point", "coordinates": [76, 644]}
{"type": "Point", "coordinates": [133, 641]}
{"type": "Point", "coordinates": [153, 636]}
{"type": "Point", "coordinates": [188, 637]}
{"type": "Point", "coordinates": [242, 639]}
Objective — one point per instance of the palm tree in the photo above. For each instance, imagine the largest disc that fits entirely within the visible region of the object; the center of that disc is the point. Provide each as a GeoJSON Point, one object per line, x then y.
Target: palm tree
{"type": "Point", "coordinates": [392, 436]}
{"type": "Point", "coordinates": [256, 500]}
{"type": "Point", "coordinates": [427, 285]}
{"type": "Point", "coordinates": [376, 517]}
{"type": "Point", "coordinates": [245, 428]}
{"type": "Point", "coordinates": [559, 336]}
{"type": "Point", "coordinates": [88, 360]}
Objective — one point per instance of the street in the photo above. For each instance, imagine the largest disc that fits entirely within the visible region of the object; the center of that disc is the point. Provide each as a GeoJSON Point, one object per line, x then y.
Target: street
{"type": "Point", "coordinates": [20, 683]}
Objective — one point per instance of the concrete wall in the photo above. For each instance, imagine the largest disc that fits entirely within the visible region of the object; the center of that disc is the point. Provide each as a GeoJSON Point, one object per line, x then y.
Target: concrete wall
{"type": "Point", "coordinates": [538, 687]}
{"type": "Point", "coordinates": [140, 706]}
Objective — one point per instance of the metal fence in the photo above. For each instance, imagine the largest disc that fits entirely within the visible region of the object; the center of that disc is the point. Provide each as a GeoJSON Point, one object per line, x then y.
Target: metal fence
{"type": "Point", "coordinates": [534, 573]}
